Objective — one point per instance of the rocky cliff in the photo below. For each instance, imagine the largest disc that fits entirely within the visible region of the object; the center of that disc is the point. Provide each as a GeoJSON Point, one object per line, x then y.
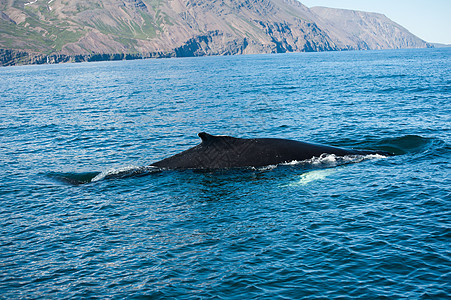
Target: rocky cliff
{"type": "Point", "coordinates": [51, 31]}
{"type": "Point", "coordinates": [365, 31]}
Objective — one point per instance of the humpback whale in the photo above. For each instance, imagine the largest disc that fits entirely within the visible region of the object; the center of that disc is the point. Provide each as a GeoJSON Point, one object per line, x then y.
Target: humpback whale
{"type": "Point", "coordinates": [223, 152]}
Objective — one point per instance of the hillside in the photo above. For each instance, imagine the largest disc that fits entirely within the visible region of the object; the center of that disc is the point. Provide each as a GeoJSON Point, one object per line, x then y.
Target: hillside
{"type": "Point", "coordinates": [50, 31]}
{"type": "Point", "coordinates": [365, 31]}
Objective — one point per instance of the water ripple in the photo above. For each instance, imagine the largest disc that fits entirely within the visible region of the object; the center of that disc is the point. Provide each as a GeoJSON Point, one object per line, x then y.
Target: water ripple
{"type": "Point", "coordinates": [83, 218]}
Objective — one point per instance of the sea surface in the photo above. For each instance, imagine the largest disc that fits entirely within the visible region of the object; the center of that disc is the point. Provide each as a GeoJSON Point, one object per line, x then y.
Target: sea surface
{"type": "Point", "coordinates": [82, 216]}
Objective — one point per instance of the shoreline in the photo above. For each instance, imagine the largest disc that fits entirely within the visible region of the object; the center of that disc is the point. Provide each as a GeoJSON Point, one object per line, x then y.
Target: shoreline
{"type": "Point", "coordinates": [12, 57]}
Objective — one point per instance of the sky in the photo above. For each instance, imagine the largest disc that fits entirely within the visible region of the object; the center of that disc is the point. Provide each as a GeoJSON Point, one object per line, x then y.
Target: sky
{"type": "Point", "coordinates": [430, 20]}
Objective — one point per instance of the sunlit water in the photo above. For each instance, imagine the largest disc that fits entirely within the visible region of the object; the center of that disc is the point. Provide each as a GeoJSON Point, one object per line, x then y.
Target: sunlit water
{"type": "Point", "coordinates": [83, 216]}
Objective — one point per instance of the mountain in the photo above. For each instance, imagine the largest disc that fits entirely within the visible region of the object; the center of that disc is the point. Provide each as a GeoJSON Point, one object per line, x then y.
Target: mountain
{"type": "Point", "coordinates": [365, 31]}
{"type": "Point", "coordinates": [50, 31]}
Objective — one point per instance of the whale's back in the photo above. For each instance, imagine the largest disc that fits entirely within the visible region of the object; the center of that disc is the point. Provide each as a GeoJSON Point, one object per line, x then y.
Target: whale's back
{"type": "Point", "coordinates": [220, 152]}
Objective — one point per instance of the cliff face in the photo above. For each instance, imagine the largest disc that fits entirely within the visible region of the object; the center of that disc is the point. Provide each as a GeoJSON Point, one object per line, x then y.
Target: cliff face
{"type": "Point", "coordinates": [41, 31]}
{"type": "Point", "coordinates": [365, 31]}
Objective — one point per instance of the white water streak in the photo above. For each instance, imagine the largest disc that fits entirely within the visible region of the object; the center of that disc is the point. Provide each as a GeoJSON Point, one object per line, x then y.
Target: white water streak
{"type": "Point", "coordinates": [124, 171]}
{"type": "Point", "coordinates": [312, 176]}
{"type": "Point", "coordinates": [331, 160]}
{"type": "Point", "coordinates": [32, 2]}
{"type": "Point", "coordinates": [327, 160]}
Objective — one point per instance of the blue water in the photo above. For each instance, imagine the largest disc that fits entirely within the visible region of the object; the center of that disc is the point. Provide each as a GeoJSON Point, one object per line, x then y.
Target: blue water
{"type": "Point", "coordinates": [82, 216]}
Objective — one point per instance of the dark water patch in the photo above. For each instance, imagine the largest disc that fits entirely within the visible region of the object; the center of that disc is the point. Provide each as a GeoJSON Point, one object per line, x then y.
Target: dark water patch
{"type": "Point", "coordinates": [382, 76]}
{"type": "Point", "coordinates": [407, 144]}
{"type": "Point", "coordinates": [111, 174]}
{"type": "Point", "coordinates": [412, 144]}
{"type": "Point", "coordinates": [73, 178]}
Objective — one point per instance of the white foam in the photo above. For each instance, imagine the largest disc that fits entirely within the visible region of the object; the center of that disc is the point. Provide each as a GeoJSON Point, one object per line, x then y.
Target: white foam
{"type": "Point", "coordinates": [326, 160]}
{"type": "Point", "coordinates": [265, 168]}
{"type": "Point", "coordinates": [32, 2]}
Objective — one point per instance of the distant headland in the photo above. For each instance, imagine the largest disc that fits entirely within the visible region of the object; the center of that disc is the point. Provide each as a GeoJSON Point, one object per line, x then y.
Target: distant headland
{"type": "Point", "coordinates": [42, 31]}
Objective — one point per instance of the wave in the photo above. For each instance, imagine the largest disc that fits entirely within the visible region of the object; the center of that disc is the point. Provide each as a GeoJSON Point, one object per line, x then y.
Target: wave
{"type": "Point", "coordinates": [125, 172]}
{"type": "Point", "coordinates": [332, 160]}
{"type": "Point", "coordinates": [326, 165]}
{"type": "Point", "coordinates": [115, 173]}
{"type": "Point", "coordinates": [73, 178]}
{"type": "Point", "coordinates": [407, 144]}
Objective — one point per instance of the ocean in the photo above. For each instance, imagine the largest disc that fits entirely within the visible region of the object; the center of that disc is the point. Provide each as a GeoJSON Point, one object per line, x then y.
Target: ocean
{"type": "Point", "coordinates": [84, 217]}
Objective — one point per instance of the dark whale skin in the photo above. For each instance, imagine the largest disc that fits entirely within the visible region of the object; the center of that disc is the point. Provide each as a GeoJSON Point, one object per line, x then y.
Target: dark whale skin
{"type": "Point", "coordinates": [223, 152]}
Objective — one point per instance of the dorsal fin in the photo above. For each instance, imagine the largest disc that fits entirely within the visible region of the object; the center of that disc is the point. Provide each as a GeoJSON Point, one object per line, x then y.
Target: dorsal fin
{"type": "Point", "coordinates": [205, 137]}
{"type": "Point", "coordinates": [209, 138]}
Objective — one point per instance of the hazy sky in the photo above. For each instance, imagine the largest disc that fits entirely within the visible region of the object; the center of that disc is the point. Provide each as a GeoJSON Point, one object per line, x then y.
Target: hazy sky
{"type": "Point", "coordinates": [427, 19]}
